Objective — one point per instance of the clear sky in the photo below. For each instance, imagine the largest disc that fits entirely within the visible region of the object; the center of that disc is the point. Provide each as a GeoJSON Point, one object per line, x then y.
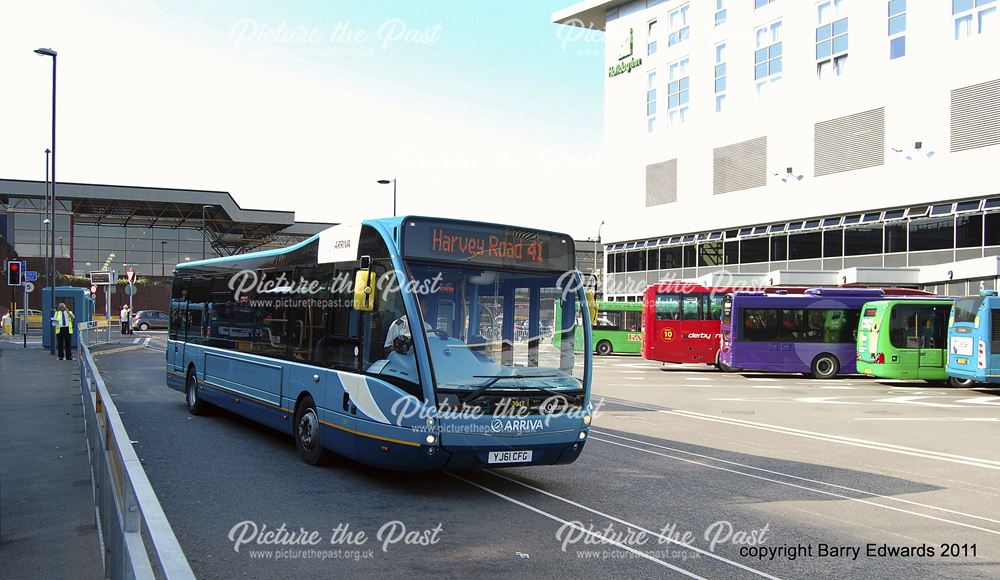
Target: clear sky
{"type": "Point", "coordinates": [482, 109]}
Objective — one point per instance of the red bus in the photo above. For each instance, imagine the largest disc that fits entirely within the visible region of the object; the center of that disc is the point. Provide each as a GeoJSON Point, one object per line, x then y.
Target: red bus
{"type": "Point", "coordinates": [682, 321]}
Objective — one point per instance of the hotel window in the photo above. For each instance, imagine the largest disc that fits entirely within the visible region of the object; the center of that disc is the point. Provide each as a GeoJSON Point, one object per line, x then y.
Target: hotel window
{"type": "Point", "coordinates": [677, 92]}
{"type": "Point", "coordinates": [897, 28]}
{"type": "Point", "coordinates": [973, 17]}
{"type": "Point", "coordinates": [767, 56]}
{"type": "Point", "coordinates": [651, 101]}
{"type": "Point", "coordinates": [761, 3]}
{"type": "Point", "coordinates": [651, 38]}
{"type": "Point", "coordinates": [831, 39]}
{"type": "Point", "coordinates": [720, 76]}
{"type": "Point", "coordinates": [677, 22]}
{"type": "Point", "coordinates": [720, 12]}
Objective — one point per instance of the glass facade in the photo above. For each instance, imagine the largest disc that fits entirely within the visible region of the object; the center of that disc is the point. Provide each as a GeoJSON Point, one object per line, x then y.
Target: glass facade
{"type": "Point", "coordinates": [150, 251]}
{"type": "Point", "coordinates": [946, 235]}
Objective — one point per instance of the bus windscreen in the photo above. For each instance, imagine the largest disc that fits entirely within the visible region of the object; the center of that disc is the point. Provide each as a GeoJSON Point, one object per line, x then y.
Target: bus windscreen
{"type": "Point", "coordinates": [966, 309]}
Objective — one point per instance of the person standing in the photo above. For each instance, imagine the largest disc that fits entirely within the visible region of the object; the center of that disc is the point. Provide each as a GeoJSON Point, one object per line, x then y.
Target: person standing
{"type": "Point", "coordinates": [5, 324]}
{"type": "Point", "coordinates": [63, 323]}
{"type": "Point", "coordinates": [125, 314]}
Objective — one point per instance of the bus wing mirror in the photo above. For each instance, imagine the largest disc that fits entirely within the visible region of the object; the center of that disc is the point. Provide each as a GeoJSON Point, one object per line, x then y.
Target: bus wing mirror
{"type": "Point", "coordinates": [592, 306]}
{"type": "Point", "coordinates": [364, 290]}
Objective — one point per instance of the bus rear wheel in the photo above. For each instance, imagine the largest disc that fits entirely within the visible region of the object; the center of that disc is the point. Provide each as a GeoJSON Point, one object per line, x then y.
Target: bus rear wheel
{"type": "Point", "coordinates": [192, 393]}
{"type": "Point", "coordinates": [959, 383]}
{"type": "Point", "coordinates": [604, 348]}
{"type": "Point", "coordinates": [307, 438]}
{"type": "Point", "coordinates": [825, 366]}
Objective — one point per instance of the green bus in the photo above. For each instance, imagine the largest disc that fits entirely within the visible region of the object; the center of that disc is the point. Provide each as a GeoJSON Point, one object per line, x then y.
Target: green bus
{"type": "Point", "coordinates": [618, 328]}
{"type": "Point", "coordinates": [905, 339]}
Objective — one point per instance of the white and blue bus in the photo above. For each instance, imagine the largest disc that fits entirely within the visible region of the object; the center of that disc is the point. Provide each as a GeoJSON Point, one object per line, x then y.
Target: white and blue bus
{"type": "Point", "coordinates": [974, 339]}
{"type": "Point", "coordinates": [391, 342]}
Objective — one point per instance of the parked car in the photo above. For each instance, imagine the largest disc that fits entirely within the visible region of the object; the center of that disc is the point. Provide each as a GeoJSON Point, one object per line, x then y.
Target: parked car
{"type": "Point", "coordinates": [34, 317]}
{"type": "Point", "coordinates": [146, 319]}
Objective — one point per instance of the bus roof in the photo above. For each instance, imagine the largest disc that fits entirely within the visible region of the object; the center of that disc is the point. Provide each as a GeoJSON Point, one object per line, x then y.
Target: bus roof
{"type": "Point", "coordinates": [387, 223]}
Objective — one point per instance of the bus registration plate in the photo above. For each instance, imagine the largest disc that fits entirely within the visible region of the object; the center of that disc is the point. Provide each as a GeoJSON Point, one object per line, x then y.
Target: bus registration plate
{"type": "Point", "coordinates": [509, 456]}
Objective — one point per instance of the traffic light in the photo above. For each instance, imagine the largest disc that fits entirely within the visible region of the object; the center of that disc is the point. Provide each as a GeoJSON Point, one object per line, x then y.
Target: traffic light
{"type": "Point", "coordinates": [15, 273]}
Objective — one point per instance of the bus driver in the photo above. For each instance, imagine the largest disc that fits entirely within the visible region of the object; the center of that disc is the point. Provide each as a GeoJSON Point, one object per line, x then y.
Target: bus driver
{"type": "Point", "coordinates": [401, 327]}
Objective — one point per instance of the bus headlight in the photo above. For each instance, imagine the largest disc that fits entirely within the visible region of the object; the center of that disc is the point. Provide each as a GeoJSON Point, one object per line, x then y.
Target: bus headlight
{"type": "Point", "coordinates": [583, 435]}
{"type": "Point", "coordinates": [431, 439]}
{"type": "Point", "coordinates": [586, 419]}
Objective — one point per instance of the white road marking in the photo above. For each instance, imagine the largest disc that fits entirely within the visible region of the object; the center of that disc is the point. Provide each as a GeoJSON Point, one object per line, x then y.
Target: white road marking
{"type": "Point", "coordinates": [914, 401]}
{"type": "Point", "coordinates": [761, 379]}
{"type": "Point", "coordinates": [973, 419]}
{"type": "Point", "coordinates": [839, 388]}
{"type": "Point", "coordinates": [767, 387]}
{"type": "Point", "coordinates": [697, 379]}
{"type": "Point", "coordinates": [887, 447]}
{"type": "Point", "coordinates": [846, 488]}
{"type": "Point", "coordinates": [578, 527]}
{"type": "Point", "coordinates": [136, 340]}
{"type": "Point", "coordinates": [661, 537]}
{"type": "Point", "coordinates": [993, 401]}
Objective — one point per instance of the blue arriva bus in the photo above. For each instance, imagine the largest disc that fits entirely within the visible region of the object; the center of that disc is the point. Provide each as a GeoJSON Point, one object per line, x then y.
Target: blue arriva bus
{"type": "Point", "coordinates": [974, 338]}
{"type": "Point", "coordinates": [391, 342]}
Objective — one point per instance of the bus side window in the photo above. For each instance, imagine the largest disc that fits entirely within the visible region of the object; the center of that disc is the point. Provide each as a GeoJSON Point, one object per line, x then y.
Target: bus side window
{"type": "Point", "coordinates": [712, 306]}
{"type": "Point", "coordinates": [668, 306]}
{"type": "Point", "coordinates": [690, 307]}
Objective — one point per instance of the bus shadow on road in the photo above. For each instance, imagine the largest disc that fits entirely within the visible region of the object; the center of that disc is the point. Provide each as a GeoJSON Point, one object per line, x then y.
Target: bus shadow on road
{"type": "Point", "coordinates": [772, 479]}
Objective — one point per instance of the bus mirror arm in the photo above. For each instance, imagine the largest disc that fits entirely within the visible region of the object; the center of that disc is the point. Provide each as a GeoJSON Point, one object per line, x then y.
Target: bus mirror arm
{"type": "Point", "coordinates": [592, 306]}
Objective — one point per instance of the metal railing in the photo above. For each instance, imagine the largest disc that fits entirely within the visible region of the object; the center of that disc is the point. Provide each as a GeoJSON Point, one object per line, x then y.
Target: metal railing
{"type": "Point", "coordinates": [131, 520]}
{"type": "Point", "coordinates": [96, 332]}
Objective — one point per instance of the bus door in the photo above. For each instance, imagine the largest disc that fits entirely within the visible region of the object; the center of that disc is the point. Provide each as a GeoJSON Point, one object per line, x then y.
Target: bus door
{"type": "Point", "coordinates": [666, 339]}
{"type": "Point", "coordinates": [697, 343]}
{"type": "Point", "coordinates": [177, 329]}
{"type": "Point", "coordinates": [932, 325]}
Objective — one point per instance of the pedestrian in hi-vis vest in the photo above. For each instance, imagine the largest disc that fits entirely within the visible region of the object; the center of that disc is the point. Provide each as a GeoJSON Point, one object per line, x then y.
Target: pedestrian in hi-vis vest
{"type": "Point", "coordinates": [125, 315]}
{"type": "Point", "coordinates": [62, 321]}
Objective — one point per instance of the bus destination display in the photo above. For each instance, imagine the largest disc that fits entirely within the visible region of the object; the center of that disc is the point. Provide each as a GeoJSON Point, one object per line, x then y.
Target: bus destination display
{"type": "Point", "coordinates": [484, 245]}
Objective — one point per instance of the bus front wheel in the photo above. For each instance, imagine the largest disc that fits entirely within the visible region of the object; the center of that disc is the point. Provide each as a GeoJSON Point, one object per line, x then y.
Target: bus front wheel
{"type": "Point", "coordinates": [825, 366]}
{"type": "Point", "coordinates": [193, 395]}
{"type": "Point", "coordinates": [307, 439]}
{"type": "Point", "coordinates": [959, 383]}
{"type": "Point", "coordinates": [604, 348]}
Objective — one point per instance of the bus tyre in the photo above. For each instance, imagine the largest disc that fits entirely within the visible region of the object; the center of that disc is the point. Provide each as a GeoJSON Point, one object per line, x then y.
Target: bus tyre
{"type": "Point", "coordinates": [193, 394]}
{"type": "Point", "coordinates": [825, 366]}
{"type": "Point", "coordinates": [307, 439]}
{"type": "Point", "coordinates": [959, 383]}
{"type": "Point", "coordinates": [604, 348]}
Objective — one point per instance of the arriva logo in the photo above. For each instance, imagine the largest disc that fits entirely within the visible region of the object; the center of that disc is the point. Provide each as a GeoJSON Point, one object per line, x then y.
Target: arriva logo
{"type": "Point", "coordinates": [512, 425]}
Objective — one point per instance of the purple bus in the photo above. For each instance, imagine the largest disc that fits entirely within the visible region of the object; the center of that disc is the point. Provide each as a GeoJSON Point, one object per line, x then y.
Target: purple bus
{"type": "Point", "coordinates": [814, 332]}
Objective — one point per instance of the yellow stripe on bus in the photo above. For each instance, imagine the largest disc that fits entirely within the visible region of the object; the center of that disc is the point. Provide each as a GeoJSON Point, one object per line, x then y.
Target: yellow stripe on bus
{"type": "Point", "coordinates": [255, 400]}
{"type": "Point", "coordinates": [369, 435]}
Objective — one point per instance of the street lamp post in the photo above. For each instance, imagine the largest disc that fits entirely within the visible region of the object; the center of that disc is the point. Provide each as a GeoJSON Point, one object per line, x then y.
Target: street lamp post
{"type": "Point", "coordinates": [163, 266]}
{"type": "Point", "coordinates": [204, 229]}
{"type": "Point", "coordinates": [598, 243]}
{"type": "Point", "coordinates": [393, 182]}
{"type": "Point", "coordinates": [45, 223]}
{"type": "Point", "coordinates": [52, 211]}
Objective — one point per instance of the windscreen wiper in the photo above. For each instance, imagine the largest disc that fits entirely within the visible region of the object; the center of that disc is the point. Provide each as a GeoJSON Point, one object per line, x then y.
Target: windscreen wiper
{"type": "Point", "coordinates": [494, 379]}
